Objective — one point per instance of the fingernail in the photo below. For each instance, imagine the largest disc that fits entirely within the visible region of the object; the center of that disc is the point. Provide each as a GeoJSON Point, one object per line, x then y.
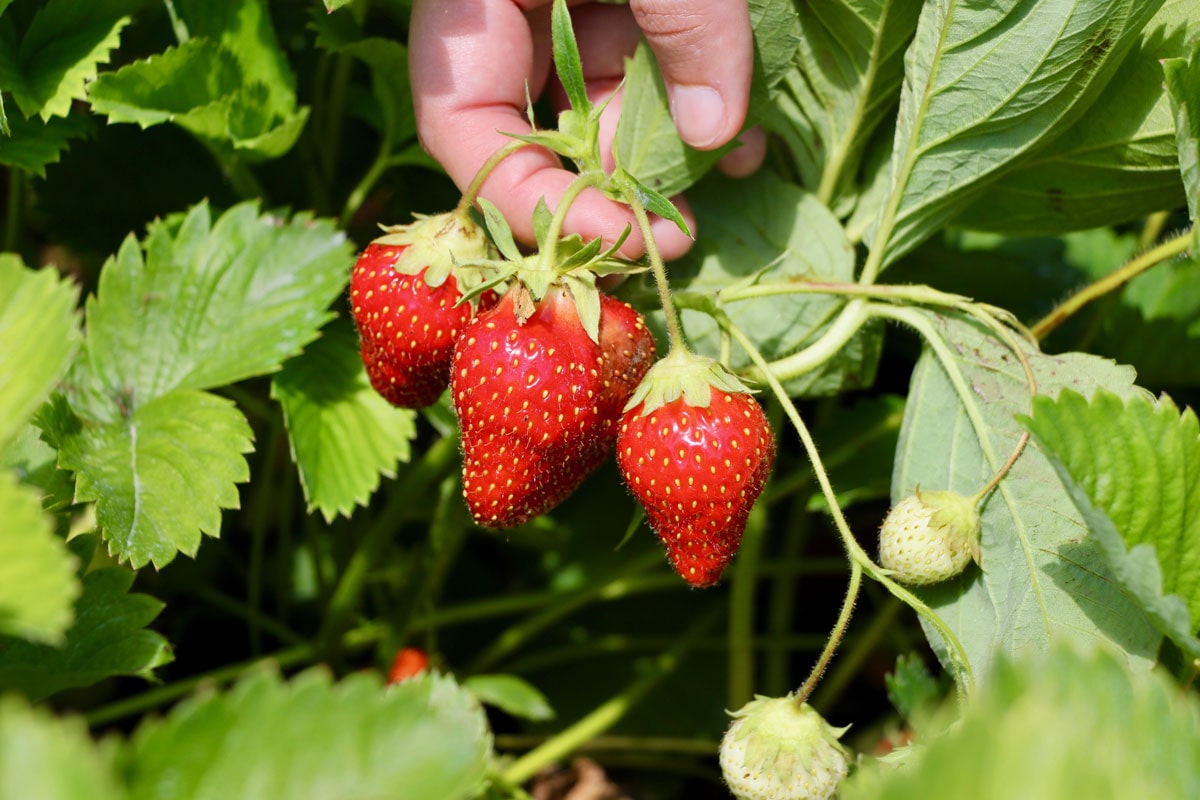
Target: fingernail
{"type": "Point", "coordinates": [699, 114]}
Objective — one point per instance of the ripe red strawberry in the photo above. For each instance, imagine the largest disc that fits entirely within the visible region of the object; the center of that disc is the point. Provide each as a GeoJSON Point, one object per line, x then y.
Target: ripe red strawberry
{"type": "Point", "coordinates": [408, 663]}
{"type": "Point", "coordinates": [696, 451]}
{"type": "Point", "coordinates": [403, 293]}
{"type": "Point", "coordinates": [538, 400]}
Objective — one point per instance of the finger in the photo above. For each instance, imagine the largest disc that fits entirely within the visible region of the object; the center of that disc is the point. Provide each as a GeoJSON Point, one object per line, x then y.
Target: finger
{"type": "Point", "coordinates": [748, 156]}
{"type": "Point", "coordinates": [469, 60]}
{"type": "Point", "coordinates": [706, 53]}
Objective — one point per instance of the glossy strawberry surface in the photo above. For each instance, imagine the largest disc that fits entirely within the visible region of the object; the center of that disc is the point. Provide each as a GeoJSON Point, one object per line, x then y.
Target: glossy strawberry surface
{"type": "Point", "coordinates": [538, 401]}
{"type": "Point", "coordinates": [697, 471]}
{"type": "Point", "coordinates": [408, 328]}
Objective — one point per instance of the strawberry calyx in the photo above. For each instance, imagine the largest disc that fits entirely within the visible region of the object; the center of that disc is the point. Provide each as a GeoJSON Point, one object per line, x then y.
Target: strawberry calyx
{"type": "Point", "coordinates": [685, 374]}
{"type": "Point", "coordinates": [441, 245]}
{"type": "Point", "coordinates": [777, 747]}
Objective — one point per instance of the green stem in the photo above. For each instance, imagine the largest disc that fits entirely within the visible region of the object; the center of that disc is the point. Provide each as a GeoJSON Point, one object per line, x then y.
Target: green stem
{"type": "Point", "coordinates": [585, 180]}
{"type": "Point", "coordinates": [637, 744]}
{"type": "Point", "coordinates": [283, 659]}
{"type": "Point", "coordinates": [658, 269]}
{"type": "Point", "coordinates": [12, 216]}
{"type": "Point", "coordinates": [1152, 228]}
{"type": "Point", "coordinates": [858, 650]}
{"type": "Point", "coordinates": [1114, 280]}
{"type": "Point", "coordinates": [853, 548]}
{"type": "Point", "coordinates": [741, 610]}
{"type": "Point", "coordinates": [334, 114]}
{"type": "Point", "coordinates": [608, 713]}
{"type": "Point", "coordinates": [463, 209]}
{"type": "Point", "coordinates": [178, 26]}
{"type": "Point", "coordinates": [851, 319]}
{"type": "Point", "coordinates": [437, 462]}
{"type": "Point", "coordinates": [835, 636]}
{"type": "Point", "coordinates": [358, 195]}
{"type": "Point", "coordinates": [615, 586]}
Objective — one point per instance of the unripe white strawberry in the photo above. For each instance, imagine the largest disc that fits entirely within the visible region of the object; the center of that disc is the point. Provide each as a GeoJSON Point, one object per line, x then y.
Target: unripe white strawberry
{"type": "Point", "coordinates": [778, 749]}
{"type": "Point", "coordinates": [929, 537]}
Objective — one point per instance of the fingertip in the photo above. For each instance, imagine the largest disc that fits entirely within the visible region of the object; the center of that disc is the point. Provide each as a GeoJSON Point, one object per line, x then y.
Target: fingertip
{"type": "Point", "coordinates": [748, 156]}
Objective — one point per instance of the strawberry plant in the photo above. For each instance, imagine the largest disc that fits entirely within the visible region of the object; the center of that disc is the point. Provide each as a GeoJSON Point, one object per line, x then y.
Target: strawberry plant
{"type": "Point", "coordinates": [320, 477]}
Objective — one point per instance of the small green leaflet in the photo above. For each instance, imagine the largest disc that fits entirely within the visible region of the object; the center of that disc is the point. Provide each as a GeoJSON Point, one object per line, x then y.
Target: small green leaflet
{"type": "Point", "coordinates": [648, 143]}
{"type": "Point", "coordinates": [1041, 579]}
{"type": "Point", "coordinates": [984, 85]}
{"type": "Point", "coordinates": [37, 575]}
{"type": "Point", "coordinates": [211, 303]}
{"type": "Point", "coordinates": [1133, 469]}
{"type": "Point", "coordinates": [1066, 723]}
{"type": "Point", "coordinates": [108, 637]}
{"type": "Point", "coordinates": [31, 144]}
{"type": "Point", "coordinates": [510, 694]}
{"type": "Point", "coordinates": [159, 473]}
{"type": "Point", "coordinates": [39, 334]}
{"type": "Point", "coordinates": [51, 758]}
{"type": "Point", "coordinates": [59, 53]}
{"type": "Point", "coordinates": [1183, 87]}
{"type": "Point", "coordinates": [343, 435]}
{"type": "Point", "coordinates": [311, 738]}
{"type": "Point", "coordinates": [566, 57]}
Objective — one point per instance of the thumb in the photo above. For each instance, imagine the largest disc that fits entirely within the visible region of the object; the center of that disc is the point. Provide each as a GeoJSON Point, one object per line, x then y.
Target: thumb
{"type": "Point", "coordinates": [706, 53]}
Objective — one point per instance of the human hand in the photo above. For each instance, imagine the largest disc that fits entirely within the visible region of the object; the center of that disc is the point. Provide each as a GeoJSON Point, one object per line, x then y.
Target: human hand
{"type": "Point", "coordinates": [470, 61]}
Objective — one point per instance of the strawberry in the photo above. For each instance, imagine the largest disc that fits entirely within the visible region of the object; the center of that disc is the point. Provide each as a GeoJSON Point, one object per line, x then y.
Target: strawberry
{"type": "Point", "coordinates": [408, 663]}
{"type": "Point", "coordinates": [779, 748]}
{"type": "Point", "coordinates": [929, 537]}
{"type": "Point", "coordinates": [696, 450]}
{"type": "Point", "coordinates": [538, 399]}
{"type": "Point", "coordinates": [404, 293]}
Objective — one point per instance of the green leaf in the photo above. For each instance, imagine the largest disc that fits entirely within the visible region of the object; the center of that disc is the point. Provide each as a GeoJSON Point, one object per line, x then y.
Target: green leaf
{"type": "Point", "coordinates": [764, 225]}
{"type": "Point", "coordinates": [39, 334]}
{"type": "Point", "coordinates": [845, 82]}
{"type": "Point", "coordinates": [344, 436]}
{"type": "Point", "coordinates": [51, 758]}
{"type": "Point", "coordinates": [37, 575]}
{"type": "Point", "coordinates": [108, 638]}
{"type": "Point", "coordinates": [510, 694]}
{"type": "Point", "coordinates": [36, 466]}
{"type": "Point", "coordinates": [60, 51]}
{"type": "Point", "coordinates": [777, 33]}
{"type": "Point", "coordinates": [159, 473]}
{"type": "Point", "coordinates": [1054, 725]}
{"type": "Point", "coordinates": [245, 29]}
{"type": "Point", "coordinates": [1183, 88]}
{"type": "Point", "coordinates": [333, 5]}
{"type": "Point", "coordinates": [425, 738]}
{"type": "Point", "coordinates": [212, 303]}
{"type": "Point", "coordinates": [388, 62]}
{"type": "Point", "coordinates": [31, 144]}
{"type": "Point", "coordinates": [648, 145]}
{"type": "Point", "coordinates": [498, 230]}
{"type": "Point", "coordinates": [910, 687]}
{"type": "Point", "coordinates": [1039, 580]}
{"type": "Point", "coordinates": [202, 87]}
{"type": "Point", "coordinates": [1108, 167]}
{"type": "Point", "coordinates": [566, 57]}
{"type": "Point", "coordinates": [985, 85]}
{"type": "Point", "coordinates": [184, 84]}
{"type": "Point", "coordinates": [1131, 469]}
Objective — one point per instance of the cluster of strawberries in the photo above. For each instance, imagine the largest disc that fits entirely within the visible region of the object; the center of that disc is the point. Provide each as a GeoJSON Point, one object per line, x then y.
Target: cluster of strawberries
{"type": "Point", "coordinates": [542, 400]}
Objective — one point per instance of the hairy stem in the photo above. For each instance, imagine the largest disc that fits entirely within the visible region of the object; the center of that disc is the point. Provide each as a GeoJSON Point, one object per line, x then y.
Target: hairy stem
{"type": "Point", "coordinates": [1111, 282]}
{"type": "Point", "coordinates": [658, 269]}
{"type": "Point", "coordinates": [463, 209]}
{"type": "Point", "coordinates": [585, 180]}
{"type": "Point", "coordinates": [608, 713]}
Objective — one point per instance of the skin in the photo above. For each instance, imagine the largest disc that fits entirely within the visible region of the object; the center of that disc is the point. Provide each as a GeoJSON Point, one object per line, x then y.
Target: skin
{"type": "Point", "coordinates": [471, 60]}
